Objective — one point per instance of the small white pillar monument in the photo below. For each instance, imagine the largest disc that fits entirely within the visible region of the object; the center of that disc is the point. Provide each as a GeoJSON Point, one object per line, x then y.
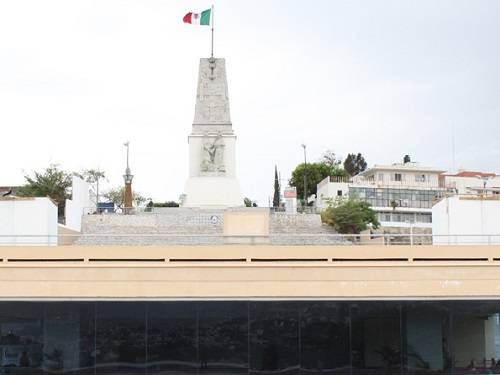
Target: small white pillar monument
{"type": "Point", "coordinates": [212, 181]}
{"type": "Point", "coordinates": [290, 195]}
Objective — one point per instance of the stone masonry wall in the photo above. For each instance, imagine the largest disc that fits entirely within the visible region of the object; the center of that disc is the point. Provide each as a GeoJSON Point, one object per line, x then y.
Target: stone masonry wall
{"type": "Point", "coordinates": [174, 220]}
{"type": "Point", "coordinates": [190, 226]}
{"type": "Point", "coordinates": [298, 223]}
{"type": "Point", "coordinates": [172, 226]}
{"type": "Point", "coordinates": [301, 229]}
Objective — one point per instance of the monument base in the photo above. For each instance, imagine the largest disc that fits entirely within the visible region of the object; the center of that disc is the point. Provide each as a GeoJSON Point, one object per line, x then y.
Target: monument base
{"type": "Point", "coordinates": [212, 192]}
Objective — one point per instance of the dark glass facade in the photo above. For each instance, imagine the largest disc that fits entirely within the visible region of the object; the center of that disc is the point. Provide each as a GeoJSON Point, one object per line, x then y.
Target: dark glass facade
{"type": "Point", "coordinates": [256, 337]}
{"type": "Point", "coordinates": [386, 197]}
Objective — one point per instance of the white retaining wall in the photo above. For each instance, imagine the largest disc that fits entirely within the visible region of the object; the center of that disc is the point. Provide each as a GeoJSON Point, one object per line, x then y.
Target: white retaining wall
{"type": "Point", "coordinates": [28, 221]}
{"type": "Point", "coordinates": [464, 220]}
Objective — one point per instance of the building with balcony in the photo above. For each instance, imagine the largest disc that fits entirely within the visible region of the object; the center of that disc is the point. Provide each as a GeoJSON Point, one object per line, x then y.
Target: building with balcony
{"type": "Point", "coordinates": [471, 182]}
{"type": "Point", "coordinates": [402, 194]}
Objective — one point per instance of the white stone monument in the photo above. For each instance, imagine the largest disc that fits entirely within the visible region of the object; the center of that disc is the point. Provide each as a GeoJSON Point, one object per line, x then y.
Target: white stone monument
{"type": "Point", "coordinates": [290, 195]}
{"type": "Point", "coordinates": [212, 181]}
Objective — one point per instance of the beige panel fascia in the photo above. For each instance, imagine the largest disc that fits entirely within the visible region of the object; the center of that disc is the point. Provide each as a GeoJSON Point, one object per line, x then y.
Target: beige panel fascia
{"type": "Point", "coordinates": [307, 272]}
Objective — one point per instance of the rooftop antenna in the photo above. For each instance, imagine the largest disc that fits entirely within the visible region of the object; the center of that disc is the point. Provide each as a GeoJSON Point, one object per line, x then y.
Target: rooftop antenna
{"type": "Point", "coordinates": [485, 180]}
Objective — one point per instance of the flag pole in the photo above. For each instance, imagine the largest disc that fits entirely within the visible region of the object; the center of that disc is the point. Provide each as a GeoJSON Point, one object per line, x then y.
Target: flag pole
{"type": "Point", "coordinates": [212, 21]}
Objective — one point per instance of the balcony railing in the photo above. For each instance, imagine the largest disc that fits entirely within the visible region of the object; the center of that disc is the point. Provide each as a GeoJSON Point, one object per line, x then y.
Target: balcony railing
{"type": "Point", "coordinates": [371, 182]}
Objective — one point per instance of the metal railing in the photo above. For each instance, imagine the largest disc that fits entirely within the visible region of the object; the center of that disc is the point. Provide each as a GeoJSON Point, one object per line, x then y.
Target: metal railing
{"type": "Point", "coordinates": [291, 239]}
{"type": "Point", "coordinates": [146, 210]}
{"type": "Point", "coordinates": [300, 210]}
{"type": "Point", "coordinates": [372, 182]}
{"type": "Point", "coordinates": [134, 210]}
{"type": "Point", "coordinates": [110, 210]}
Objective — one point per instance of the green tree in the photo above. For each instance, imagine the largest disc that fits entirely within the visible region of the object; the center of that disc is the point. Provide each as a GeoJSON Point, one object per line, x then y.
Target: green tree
{"type": "Point", "coordinates": [315, 172]}
{"type": "Point", "coordinates": [354, 164]}
{"type": "Point", "coordinates": [276, 197]}
{"type": "Point", "coordinates": [117, 196]}
{"type": "Point", "coordinates": [331, 159]}
{"type": "Point", "coordinates": [52, 182]}
{"type": "Point", "coordinates": [248, 202]}
{"type": "Point", "coordinates": [350, 216]}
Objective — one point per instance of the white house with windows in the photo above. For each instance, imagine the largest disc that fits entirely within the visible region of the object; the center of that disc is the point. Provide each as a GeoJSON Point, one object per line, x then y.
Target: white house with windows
{"type": "Point", "coordinates": [401, 193]}
{"type": "Point", "coordinates": [466, 182]}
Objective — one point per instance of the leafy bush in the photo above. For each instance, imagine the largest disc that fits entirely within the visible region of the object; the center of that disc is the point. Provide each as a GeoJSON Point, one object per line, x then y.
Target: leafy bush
{"type": "Point", "coordinates": [350, 216]}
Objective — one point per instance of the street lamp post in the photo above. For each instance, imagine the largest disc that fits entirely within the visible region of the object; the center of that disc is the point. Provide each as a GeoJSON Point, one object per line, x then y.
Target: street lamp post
{"type": "Point", "coordinates": [485, 180]}
{"type": "Point", "coordinates": [483, 196]}
{"type": "Point", "coordinates": [128, 176]}
{"type": "Point", "coordinates": [305, 175]}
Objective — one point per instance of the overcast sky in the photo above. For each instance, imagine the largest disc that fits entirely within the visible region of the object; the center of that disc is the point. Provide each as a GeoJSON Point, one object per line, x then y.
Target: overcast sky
{"type": "Point", "coordinates": [384, 78]}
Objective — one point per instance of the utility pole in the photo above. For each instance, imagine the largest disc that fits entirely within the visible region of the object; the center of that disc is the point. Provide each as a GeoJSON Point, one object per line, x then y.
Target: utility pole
{"type": "Point", "coordinates": [305, 175]}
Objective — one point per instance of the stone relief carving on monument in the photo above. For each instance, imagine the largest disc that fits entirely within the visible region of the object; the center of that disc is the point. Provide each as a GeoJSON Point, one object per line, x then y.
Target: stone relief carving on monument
{"type": "Point", "coordinates": [213, 158]}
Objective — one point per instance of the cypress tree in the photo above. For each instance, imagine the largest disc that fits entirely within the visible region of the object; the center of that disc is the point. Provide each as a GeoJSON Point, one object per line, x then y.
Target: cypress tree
{"type": "Point", "coordinates": [276, 197]}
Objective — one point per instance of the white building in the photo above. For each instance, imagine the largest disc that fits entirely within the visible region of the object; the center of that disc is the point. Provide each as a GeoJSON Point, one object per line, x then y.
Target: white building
{"type": "Point", "coordinates": [469, 182]}
{"type": "Point", "coordinates": [28, 221]}
{"type": "Point", "coordinates": [401, 193]}
{"type": "Point", "coordinates": [82, 200]}
{"type": "Point", "coordinates": [463, 219]}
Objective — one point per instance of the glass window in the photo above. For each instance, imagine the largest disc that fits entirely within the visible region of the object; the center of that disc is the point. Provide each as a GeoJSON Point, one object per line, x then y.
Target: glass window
{"type": "Point", "coordinates": [223, 336]}
{"type": "Point", "coordinates": [324, 333]}
{"type": "Point", "coordinates": [120, 338]}
{"type": "Point", "coordinates": [376, 338]}
{"type": "Point", "coordinates": [426, 330]}
{"type": "Point", "coordinates": [220, 337]}
{"type": "Point", "coordinates": [476, 337]}
{"type": "Point", "coordinates": [172, 338]}
{"type": "Point", "coordinates": [69, 332]}
{"type": "Point", "coordinates": [274, 338]}
{"type": "Point", "coordinates": [420, 178]}
{"type": "Point", "coordinates": [361, 193]}
{"type": "Point", "coordinates": [424, 218]}
{"type": "Point", "coordinates": [370, 193]}
{"type": "Point", "coordinates": [21, 338]}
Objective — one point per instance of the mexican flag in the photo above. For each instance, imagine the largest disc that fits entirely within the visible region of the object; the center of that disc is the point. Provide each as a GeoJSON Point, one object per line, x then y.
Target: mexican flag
{"type": "Point", "coordinates": [202, 18]}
